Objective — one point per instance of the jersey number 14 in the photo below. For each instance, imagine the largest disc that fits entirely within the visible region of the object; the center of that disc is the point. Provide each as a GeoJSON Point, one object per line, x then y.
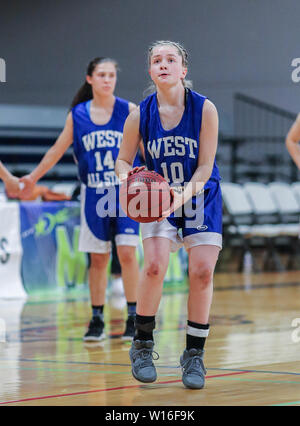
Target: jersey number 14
{"type": "Point", "coordinates": [108, 161]}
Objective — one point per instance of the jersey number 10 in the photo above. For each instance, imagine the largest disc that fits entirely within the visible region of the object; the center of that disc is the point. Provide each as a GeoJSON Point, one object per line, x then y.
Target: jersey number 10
{"type": "Point", "coordinates": [176, 169]}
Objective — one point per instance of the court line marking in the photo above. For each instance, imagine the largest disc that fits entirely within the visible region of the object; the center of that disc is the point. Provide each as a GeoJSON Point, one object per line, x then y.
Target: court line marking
{"type": "Point", "coordinates": [162, 374]}
{"type": "Point", "coordinates": [258, 286]}
{"type": "Point", "coordinates": [259, 380]}
{"type": "Point", "coordinates": [108, 389]}
{"type": "Point", "coordinates": [179, 290]}
{"type": "Point", "coordinates": [157, 366]}
{"type": "Point", "coordinates": [67, 370]}
{"type": "Point", "coordinates": [286, 403]}
{"type": "Point", "coordinates": [257, 371]}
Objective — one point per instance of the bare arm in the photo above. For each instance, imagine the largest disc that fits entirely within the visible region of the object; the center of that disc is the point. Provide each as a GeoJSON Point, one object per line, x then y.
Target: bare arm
{"type": "Point", "coordinates": [129, 145]}
{"type": "Point", "coordinates": [11, 182]}
{"type": "Point", "coordinates": [52, 156]}
{"type": "Point", "coordinates": [292, 141]}
{"type": "Point", "coordinates": [132, 107]}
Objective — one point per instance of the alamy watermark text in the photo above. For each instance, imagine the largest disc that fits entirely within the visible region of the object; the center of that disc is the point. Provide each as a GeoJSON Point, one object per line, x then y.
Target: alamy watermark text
{"type": "Point", "coordinates": [2, 70]}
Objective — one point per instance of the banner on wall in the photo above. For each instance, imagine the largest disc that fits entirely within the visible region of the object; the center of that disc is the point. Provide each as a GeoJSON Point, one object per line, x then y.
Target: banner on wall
{"type": "Point", "coordinates": [11, 286]}
{"type": "Point", "coordinates": [51, 260]}
{"type": "Point", "coordinates": [50, 233]}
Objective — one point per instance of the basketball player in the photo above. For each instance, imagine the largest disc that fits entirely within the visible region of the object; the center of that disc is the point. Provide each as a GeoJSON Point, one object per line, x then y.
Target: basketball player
{"type": "Point", "coordinates": [292, 141]}
{"type": "Point", "coordinates": [179, 129]}
{"type": "Point", "coordinates": [11, 182]}
{"type": "Point", "coordinates": [94, 126]}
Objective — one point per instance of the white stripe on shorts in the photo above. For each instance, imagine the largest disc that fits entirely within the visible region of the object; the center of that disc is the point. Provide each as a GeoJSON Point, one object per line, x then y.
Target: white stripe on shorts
{"type": "Point", "coordinates": [88, 242]}
{"type": "Point", "coordinates": [203, 238]}
{"type": "Point", "coordinates": [127, 240]}
{"type": "Point", "coordinates": [162, 229]}
{"type": "Point", "coordinates": [197, 332]}
{"type": "Point", "coordinates": [166, 230]}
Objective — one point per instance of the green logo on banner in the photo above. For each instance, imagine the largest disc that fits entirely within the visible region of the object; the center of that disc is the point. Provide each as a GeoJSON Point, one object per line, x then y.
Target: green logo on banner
{"type": "Point", "coordinates": [71, 264]}
{"type": "Point", "coordinates": [48, 221]}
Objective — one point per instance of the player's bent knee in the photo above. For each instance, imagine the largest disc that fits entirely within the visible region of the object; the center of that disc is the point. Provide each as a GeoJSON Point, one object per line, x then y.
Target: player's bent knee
{"type": "Point", "coordinates": [126, 256]}
{"type": "Point", "coordinates": [99, 261]}
{"type": "Point", "coordinates": [201, 275]}
{"type": "Point", "coordinates": [153, 269]}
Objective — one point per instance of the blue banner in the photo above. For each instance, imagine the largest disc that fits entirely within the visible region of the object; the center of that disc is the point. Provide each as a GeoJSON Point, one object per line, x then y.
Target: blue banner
{"type": "Point", "coordinates": [51, 260]}
{"type": "Point", "coordinates": [49, 234]}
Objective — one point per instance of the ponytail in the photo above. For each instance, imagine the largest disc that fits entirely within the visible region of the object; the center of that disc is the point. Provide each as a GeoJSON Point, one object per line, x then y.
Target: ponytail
{"type": "Point", "coordinates": [84, 94]}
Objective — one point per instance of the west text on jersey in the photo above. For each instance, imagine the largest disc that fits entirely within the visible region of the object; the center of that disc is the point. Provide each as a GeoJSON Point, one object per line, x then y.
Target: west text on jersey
{"type": "Point", "coordinates": [102, 139]}
{"type": "Point", "coordinates": [172, 145]}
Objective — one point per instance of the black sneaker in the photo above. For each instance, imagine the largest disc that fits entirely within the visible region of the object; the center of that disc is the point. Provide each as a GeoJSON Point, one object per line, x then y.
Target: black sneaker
{"type": "Point", "coordinates": [130, 329]}
{"type": "Point", "coordinates": [95, 331]}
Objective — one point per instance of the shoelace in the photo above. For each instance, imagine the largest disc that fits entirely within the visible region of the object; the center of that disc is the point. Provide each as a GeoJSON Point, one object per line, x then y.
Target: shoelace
{"type": "Point", "coordinates": [146, 355]}
{"type": "Point", "coordinates": [192, 364]}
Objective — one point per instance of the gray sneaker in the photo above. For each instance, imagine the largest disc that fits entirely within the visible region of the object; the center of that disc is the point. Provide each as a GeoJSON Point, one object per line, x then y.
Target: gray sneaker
{"type": "Point", "coordinates": [141, 355]}
{"type": "Point", "coordinates": [193, 371]}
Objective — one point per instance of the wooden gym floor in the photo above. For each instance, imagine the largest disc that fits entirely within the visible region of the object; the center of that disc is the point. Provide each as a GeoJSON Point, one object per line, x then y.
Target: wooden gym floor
{"type": "Point", "coordinates": [252, 353]}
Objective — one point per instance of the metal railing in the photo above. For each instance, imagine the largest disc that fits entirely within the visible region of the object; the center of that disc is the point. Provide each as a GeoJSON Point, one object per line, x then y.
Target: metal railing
{"type": "Point", "coordinates": [257, 151]}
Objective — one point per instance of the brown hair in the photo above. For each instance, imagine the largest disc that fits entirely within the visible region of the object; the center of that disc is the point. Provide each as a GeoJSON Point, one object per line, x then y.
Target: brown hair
{"type": "Point", "coordinates": [85, 92]}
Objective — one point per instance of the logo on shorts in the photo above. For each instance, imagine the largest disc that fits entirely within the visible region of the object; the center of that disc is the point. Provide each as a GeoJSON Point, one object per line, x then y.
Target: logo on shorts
{"type": "Point", "coordinates": [202, 228]}
{"type": "Point", "coordinates": [129, 231]}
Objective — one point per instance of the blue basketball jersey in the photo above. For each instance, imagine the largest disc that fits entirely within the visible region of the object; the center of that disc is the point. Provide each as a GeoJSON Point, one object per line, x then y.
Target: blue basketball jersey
{"type": "Point", "coordinates": [96, 147]}
{"type": "Point", "coordinates": [173, 153]}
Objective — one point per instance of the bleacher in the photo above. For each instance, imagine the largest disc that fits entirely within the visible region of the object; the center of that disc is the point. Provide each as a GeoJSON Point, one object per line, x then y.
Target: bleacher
{"type": "Point", "coordinates": [23, 143]}
{"type": "Point", "coordinates": [256, 149]}
{"type": "Point", "coordinates": [260, 187]}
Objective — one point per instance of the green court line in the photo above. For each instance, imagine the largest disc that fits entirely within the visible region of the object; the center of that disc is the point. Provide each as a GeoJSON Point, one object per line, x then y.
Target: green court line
{"type": "Point", "coordinates": [68, 370]}
{"type": "Point", "coordinates": [285, 403]}
{"type": "Point", "coordinates": [80, 371]}
{"type": "Point", "coordinates": [258, 380]}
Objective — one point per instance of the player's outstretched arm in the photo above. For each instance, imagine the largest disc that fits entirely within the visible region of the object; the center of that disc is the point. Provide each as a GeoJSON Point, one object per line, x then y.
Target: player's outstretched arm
{"type": "Point", "coordinates": [292, 141]}
{"type": "Point", "coordinates": [52, 156]}
{"type": "Point", "coordinates": [129, 146]}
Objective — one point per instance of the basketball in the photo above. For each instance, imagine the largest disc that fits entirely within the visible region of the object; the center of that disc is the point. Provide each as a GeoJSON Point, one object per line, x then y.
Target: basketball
{"type": "Point", "coordinates": [145, 195]}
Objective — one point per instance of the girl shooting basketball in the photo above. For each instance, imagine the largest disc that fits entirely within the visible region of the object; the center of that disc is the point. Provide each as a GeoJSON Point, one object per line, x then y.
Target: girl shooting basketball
{"type": "Point", "coordinates": [179, 130]}
{"type": "Point", "coordinates": [95, 126]}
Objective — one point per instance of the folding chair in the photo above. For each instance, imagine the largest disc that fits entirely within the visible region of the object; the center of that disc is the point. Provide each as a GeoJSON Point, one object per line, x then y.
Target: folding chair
{"type": "Point", "coordinates": [267, 221]}
{"type": "Point", "coordinates": [289, 210]}
{"type": "Point", "coordinates": [296, 190]}
{"type": "Point", "coordinates": [243, 222]}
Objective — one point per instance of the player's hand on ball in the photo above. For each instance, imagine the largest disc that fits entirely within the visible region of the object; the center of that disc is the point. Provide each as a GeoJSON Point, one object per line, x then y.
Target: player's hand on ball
{"type": "Point", "coordinates": [177, 201]}
{"type": "Point", "coordinates": [136, 170]}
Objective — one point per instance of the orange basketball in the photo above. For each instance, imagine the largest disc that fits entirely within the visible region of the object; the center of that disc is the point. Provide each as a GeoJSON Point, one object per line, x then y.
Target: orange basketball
{"type": "Point", "coordinates": [144, 196]}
